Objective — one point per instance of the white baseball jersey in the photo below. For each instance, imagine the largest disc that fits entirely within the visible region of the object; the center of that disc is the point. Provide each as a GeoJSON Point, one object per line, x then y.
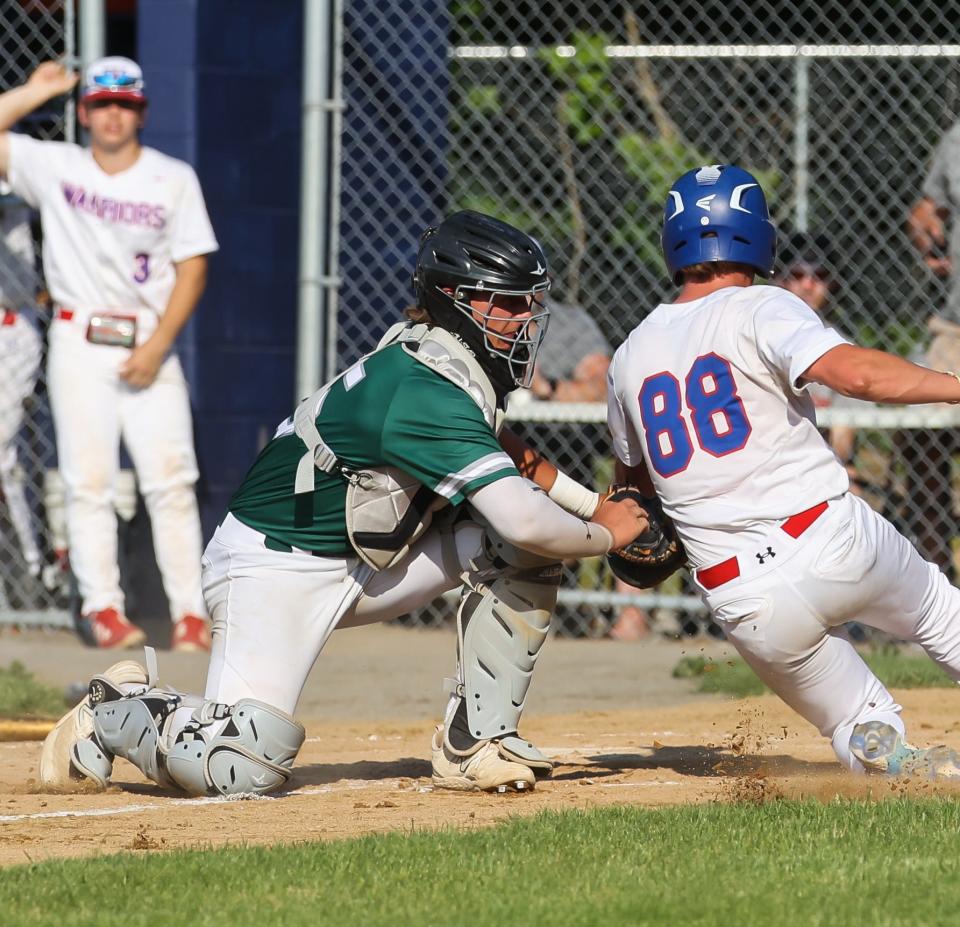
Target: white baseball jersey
{"type": "Point", "coordinates": [707, 394]}
{"type": "Point", "coordinates": [110, 240]}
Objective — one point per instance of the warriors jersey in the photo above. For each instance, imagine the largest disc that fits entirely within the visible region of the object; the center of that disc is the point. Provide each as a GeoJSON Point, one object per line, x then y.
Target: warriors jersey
{"type": "Point", "coordinates": [388, 409]}
{"type": "Point", "coordinates": [110, 240]}
{"type": "Point", "coordinates": [708, 394]}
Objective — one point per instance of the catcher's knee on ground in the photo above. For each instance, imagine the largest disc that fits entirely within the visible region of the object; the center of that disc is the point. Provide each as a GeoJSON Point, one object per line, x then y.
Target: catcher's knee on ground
{"type": "Point", "coordinates": [502, 622]}
{"type": "Point", "coordinates": [248, 747]}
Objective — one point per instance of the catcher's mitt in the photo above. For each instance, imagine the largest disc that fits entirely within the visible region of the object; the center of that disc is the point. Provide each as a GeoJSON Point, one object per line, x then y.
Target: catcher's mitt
{"type": "Point", "coordinates": [656, 554]}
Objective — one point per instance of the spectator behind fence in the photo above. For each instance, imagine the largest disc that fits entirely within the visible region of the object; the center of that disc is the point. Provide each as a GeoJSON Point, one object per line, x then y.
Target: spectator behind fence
{"type": "Point", "coordinates": [20, 351]}
{"type": "Point", "coordinates": [573, 362]}
{"type": "Point", "coordinates": [572, 367]}
{"type": "Point", "coordinates": [928, 454]}
{"type": "Point", "coordinates": [126, 235]}
{"type": "Point", "coordinates": [805, 272]}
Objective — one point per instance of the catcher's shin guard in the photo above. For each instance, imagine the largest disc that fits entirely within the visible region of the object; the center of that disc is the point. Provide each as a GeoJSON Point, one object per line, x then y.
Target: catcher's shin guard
{"type": "Point", "coordinates": [502, 622]}
{"type": "Point", "coordinates": [244, 748]}
{"type": "Point", "coordinates": [253, 752]}
{"type": "Point", "coordinates": [236, 749]}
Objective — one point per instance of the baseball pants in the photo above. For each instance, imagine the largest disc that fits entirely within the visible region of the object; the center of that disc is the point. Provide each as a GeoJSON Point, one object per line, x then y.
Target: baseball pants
{"type": "Point", "coordinates": [273, 611]}
{"type": "Point", "coordinates": [20, 350]}
{"type": "Point", "coordinates": [783, 616]}
{"type": "Point", "coordinates": [92, 409]}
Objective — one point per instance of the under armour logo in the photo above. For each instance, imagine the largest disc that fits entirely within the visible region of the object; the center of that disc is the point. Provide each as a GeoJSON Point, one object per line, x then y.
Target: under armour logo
{"type": "Point", "coordinates": [771, 553]}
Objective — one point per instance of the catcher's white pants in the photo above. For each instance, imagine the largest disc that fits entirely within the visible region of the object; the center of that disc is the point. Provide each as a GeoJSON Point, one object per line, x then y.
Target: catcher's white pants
{"type": "Point", "coordinates": [20, 350]}
{"type": "Point", "coordinates": [850, 565]}
{"type": "Point", "coordinates": [272, 611]}
{"type": "Point", "coordinates": [92, 408]}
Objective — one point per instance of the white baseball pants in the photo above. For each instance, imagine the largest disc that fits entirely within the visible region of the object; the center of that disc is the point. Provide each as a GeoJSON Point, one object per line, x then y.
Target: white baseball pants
{"type": "Point", "coordinates": [850, 565]}
{"type": "Point", "coordinates": [20, 350]}
{"type": "Point", "coordinates": [92, 409]}
{"type": "Point", "coordinates": [273, 612]}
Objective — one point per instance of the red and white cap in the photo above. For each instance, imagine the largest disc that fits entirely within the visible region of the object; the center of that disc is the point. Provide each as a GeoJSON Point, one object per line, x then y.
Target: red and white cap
{"type": "Point", "coordinates": [113, 78]}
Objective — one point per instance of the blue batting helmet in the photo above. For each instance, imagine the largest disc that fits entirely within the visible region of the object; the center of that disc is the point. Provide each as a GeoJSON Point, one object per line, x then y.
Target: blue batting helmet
{"type": "Point", "coordinates": [718, 213]}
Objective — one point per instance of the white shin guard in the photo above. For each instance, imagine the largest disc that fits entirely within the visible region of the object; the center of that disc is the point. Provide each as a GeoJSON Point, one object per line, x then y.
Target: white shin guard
{"type": "Point", "coordinates": [253, 752]}
{"type": "Point", "coordinates": [502, 623]}
{"type": "Point", "coordinates": [236, 749]}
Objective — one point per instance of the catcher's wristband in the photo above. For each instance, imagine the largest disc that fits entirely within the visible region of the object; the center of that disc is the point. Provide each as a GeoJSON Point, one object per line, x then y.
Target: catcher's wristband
{"type": "Point", "coordinates": [572, 496]}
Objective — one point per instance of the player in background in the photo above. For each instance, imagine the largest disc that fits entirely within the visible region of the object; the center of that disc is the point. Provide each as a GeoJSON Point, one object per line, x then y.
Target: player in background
{"type": "Point", "coordinates": [20, 352]}
{"type": "Point", "coordinates": [126, 235]}
{"type": "Point", "coordinates": [709, 405]}
{"type": "Point", "coordinates": [390, 485]}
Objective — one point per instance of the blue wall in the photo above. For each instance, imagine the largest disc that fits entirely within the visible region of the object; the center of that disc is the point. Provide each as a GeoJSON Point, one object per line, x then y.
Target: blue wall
{"type": "Point", "coordinates": [224, 85]}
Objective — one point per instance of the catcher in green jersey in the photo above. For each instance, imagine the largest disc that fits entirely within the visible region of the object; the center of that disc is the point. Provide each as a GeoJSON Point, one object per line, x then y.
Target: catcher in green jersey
{"type": "Point", "coordinates": [390, 485]}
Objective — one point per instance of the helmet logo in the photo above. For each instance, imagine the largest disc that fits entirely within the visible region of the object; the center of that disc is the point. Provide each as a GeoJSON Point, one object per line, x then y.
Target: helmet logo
{"type": "Point", "coordinates": [708, 174]}
{"type": "Point", "coordinates": [677, 205]}
{"type": "Point", "coordinates": [738, 192]}
{"type": "Point", "coordinates": [704, 201]}
{"type": "Point", "coordinates": [540, 269]}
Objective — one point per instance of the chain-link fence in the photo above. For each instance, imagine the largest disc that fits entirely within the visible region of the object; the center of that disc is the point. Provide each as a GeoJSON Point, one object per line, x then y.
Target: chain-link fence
{"type": "Point", "coordinates": [571, 119]}
{"type": "Point", "coordinates": [35, 585]}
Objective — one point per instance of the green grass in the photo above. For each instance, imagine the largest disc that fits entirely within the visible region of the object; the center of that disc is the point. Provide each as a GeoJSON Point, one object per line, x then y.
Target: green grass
{"type": "Point", "coordinates": [727, 676]}
{"type": "Point", "coordinates": [896, 669]}
{"type": "Point", "coordinates": [783, 863]}
{"type": "Point", "coordinates": [22, 696]}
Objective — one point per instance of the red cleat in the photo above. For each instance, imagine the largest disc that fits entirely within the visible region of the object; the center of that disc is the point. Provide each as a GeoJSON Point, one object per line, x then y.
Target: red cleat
{"type": "Point", "coordinates": [112, 631]}
{"type": "Point", "coordinates": [191, 634]}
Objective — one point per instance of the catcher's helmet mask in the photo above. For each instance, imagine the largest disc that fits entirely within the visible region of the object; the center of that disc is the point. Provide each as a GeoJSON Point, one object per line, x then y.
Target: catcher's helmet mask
{"type": "Point", "coordinates": [718, 213]}
{"type": "Point", "coordinates": [471, 256]}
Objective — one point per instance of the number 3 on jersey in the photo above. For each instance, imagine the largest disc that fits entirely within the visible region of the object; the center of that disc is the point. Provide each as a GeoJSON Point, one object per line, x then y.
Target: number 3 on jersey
{"type": "Point", "coordinates": [715, 410]}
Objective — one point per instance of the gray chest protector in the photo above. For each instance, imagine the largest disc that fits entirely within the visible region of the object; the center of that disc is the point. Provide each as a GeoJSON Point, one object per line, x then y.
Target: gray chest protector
{"type": "Point", "coordinates": [387, 510]}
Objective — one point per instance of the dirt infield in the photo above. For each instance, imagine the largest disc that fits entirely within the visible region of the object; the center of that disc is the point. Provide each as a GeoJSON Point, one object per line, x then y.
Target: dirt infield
{"type": "Point", "coordinates": [370, 776]}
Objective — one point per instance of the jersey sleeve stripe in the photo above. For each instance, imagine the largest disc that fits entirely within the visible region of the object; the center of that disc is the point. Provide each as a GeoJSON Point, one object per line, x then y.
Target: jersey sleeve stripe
{"type": "Point", "coordinates": [453, 483]}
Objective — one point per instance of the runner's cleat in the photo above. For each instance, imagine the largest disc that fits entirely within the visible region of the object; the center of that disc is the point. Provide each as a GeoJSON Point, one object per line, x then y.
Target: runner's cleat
{"type": "Point", "coordinates": [881, 748]}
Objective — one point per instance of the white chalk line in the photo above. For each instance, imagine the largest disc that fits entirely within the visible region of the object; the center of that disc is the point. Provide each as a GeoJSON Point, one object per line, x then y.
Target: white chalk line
{"type": "Point", "coordinates": [351, 786]}
{"type": "Point", "coordinates": [356, 785]}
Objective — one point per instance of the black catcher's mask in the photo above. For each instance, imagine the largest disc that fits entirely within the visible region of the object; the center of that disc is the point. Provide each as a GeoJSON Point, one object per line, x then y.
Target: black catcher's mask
{"type": "Point", "coordinates": [477, 257]}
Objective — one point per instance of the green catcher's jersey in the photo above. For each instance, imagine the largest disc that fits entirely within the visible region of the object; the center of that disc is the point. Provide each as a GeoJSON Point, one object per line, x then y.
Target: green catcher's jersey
{"type": "Point", "coordinates": [388, 409]}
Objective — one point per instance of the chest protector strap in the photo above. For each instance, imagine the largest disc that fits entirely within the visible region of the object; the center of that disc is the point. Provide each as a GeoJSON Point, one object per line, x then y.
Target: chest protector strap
{"type": "Point", "coordinates": [386, 509]}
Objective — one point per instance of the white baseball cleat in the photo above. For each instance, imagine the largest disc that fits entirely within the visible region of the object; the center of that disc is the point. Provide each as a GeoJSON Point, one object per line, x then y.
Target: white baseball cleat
{"type": "Point", "coordinates": [58, 769]}
{"type": "Point", "coordinates": [483, 771]}
{"type": "Point", "coordinates": [881, 748]}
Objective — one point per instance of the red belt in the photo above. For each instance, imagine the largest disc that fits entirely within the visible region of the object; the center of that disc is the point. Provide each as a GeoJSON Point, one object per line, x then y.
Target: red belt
{"type": "Point", "coordinates": [723, 572]}
{"type": "Point", "coordinates": [9, 317]}
{"type": "Point", "coordinates": [65, 314]}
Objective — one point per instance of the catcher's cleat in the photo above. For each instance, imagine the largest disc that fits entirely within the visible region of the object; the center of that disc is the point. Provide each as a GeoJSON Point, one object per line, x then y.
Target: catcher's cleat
{"type": "Point", "coordinates": [482, 771]}
{"type": "Point", "coordinates": [110, 630]}
{"type": "Point", "coordinates": [191, 634]}
{"type": "Point", "coordinates": [881, 748]}
{"type": "Point", "coordinates": [70, 753]}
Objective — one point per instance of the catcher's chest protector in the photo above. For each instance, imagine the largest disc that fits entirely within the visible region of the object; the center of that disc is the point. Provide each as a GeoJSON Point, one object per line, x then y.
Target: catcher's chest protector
{"type": "Point", "coordinates": [386, 508]}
